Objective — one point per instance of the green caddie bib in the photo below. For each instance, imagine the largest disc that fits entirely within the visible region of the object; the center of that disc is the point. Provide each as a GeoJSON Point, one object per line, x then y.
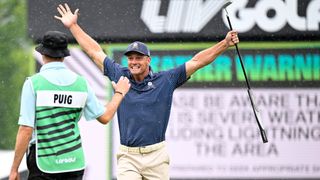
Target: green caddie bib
{"type": "Point", "coordinates": [58, 110]}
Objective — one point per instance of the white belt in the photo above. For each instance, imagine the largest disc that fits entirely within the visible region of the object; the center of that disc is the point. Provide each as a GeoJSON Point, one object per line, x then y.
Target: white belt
{"type": "Point", "coordinates": [142, 149]}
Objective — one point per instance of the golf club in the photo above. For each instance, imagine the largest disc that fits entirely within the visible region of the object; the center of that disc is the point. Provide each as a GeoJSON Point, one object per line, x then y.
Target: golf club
{"type": "Point", "coordinates": [253, 105]}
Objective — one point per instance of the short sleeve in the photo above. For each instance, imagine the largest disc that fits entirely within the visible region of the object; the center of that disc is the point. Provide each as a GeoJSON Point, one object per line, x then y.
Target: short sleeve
{"type": "Point", "coordinates": [93, 108]}
{"type": "Point", "coordinates": [27, 105]}
{"type": "Point", "coordinates": [112, 69]}
{"type": "Point", "coordinates": [177, 76]}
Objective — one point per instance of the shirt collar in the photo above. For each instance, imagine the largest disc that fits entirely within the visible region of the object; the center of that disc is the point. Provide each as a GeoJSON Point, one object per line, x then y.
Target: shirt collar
{"type": "Point", "coordinates": [53, 65]}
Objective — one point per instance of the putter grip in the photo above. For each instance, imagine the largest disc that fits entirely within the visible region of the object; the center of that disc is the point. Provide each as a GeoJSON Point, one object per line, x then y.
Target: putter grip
{"type": "Point", "coordinates": [257, 116]}
{"type": "Point", "coordinates": [263, 136]}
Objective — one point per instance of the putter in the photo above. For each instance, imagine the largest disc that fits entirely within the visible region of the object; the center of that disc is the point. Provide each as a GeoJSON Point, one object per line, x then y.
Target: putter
{"type": "Point", "coordinates": [253, 105]}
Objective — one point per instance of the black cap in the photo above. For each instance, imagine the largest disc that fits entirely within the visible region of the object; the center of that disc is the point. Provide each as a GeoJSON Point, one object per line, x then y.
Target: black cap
{"type": "Point", "coordinates": [54, 44]}
{"type": "Point", "coordinates": [138, 47]}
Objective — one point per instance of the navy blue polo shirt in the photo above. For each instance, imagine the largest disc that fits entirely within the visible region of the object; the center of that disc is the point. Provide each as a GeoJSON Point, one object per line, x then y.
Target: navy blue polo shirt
{"type": "Point", "coordinates": [144, 113]}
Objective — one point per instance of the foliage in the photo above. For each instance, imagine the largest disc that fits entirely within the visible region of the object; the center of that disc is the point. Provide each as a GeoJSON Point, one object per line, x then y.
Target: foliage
{"type": "Point", "coordinates": [15, 64]}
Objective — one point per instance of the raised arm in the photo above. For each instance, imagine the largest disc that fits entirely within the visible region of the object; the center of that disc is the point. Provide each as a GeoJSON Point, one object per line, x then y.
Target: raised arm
{"type": "Point", "coordinates": [88, 44]}
{"type": "Point", "coordinates": [207, 56]}
{"type": "Point", "coordinates": [120, 88]}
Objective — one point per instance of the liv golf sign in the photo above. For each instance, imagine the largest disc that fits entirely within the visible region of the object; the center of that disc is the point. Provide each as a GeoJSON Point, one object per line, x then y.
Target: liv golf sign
{"type": "Point", "coordinates": [191, 16]}
{"type": "Point", "coordinates": [191, 20]}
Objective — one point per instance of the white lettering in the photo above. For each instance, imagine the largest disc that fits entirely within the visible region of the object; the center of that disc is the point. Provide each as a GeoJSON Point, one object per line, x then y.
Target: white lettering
{"type": "Point", "coordinates": [182, 16]}
{"type": "Point", "coordinates": [149, 14]}
{"type": "Point", "coordinates": [66, 160]}
{"type": "Point", "coordinates": [199, 13]}
{"type": "Point", "coordinates": [313, 14]}
{"type": "Point", "coordinates": [191, 16]}
{"type": "Point", "coordinates": [273, 15]}
{"type": "Point", "coordinates": [294, 20]}
{"type": "Point", "coordinates": [275, 22]}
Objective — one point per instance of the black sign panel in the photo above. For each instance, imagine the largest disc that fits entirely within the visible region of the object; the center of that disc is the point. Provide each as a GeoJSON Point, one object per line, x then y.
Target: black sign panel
{"type": "Point", "coordinates": [182, 20]}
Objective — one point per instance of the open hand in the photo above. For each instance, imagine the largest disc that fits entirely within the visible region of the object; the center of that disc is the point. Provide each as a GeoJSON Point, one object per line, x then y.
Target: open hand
{"type": "Point", "coordinates": [67, 17]}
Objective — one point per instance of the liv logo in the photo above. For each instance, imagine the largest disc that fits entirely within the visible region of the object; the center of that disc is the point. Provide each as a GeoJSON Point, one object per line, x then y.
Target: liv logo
{"type": "Point", "coordinates": [188, 16]}
{"type": "Point", "coordinates": [66, 160]}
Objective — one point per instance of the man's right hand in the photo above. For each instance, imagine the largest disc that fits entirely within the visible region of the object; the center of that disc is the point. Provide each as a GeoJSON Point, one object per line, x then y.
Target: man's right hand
{"type": "Point", "coordinates": [67, 17]}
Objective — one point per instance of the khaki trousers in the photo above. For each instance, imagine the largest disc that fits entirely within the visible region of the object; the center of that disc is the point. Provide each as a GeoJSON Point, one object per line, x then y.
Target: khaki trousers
{"type": "Point", "coordinates": [143, 165]}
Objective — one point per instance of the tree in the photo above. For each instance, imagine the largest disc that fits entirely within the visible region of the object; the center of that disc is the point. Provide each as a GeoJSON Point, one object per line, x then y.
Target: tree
{"type": "Point", "coordinates": [15, 64]}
